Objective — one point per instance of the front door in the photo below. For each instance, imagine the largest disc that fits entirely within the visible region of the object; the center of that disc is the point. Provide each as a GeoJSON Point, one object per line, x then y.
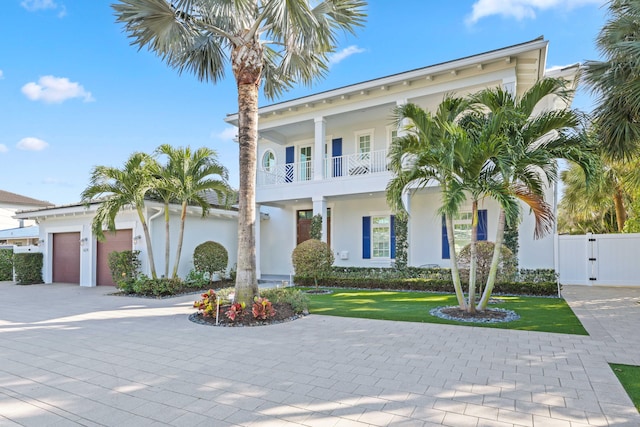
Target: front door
{"type": "Point", "coordinates": [304, 225]}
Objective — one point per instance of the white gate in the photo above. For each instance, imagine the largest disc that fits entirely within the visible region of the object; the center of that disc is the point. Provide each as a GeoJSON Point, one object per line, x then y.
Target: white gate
{"type": "Point", "coordinates": [599, 259]}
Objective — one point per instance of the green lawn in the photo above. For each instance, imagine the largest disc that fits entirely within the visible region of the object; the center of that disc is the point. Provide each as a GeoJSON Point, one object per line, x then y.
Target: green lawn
{"type": "Point", "coordinates": [536, 314]}
{"type": "Point", "coordinates": [629, 377]}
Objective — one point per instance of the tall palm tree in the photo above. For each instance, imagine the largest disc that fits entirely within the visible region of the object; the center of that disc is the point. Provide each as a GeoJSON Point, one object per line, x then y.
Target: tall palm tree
{"type": "Point", "coordinates": [122, 188]}
{"type": "Point", "coordinates": [424, 154]}
{"type": "Point", "coordinates": [269, 43]}
{"type": "Point", "coordinates": [188, 176]}
{"type": "Point", "coordinates": [526, 162]}
{"type": "Point", "coordinates": [162, 175]}
{"type": "Point", "coordinates": [615, 80]}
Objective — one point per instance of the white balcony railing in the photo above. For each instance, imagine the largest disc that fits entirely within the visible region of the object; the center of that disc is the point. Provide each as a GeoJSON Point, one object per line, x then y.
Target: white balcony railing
{"type": "Point", "coordinates": [359, 164]}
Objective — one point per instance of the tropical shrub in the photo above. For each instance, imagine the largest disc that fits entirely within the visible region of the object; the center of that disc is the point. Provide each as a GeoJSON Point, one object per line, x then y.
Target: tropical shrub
{"type": "Point", "coordinates": [197, 279]}
{"type": "Point", "coordinates": [312, 258]}
{"type": "Point", "coordinates": [124, 267]}
{"type": "Point", "coordinates": [211, 258]}
{"type": "Point", "coordinates": [28, 268]}
{"type": "Point", "coordinates": [298, 300]}
{"type": "Point", "coordinates": [537, 275]}
{"type": "Point", "coordinates": [208, 304]}
{"type": "Point", "coordinates": [506, 266]}
{"type": "Point", "coordinates": [6, 264]}
{"type": "Point", "coordinates": [234, 311]}
{"type": "Point", "coordinates": [316, 227]}
{"type": "Point", "coordinates": [262, 308]}
{"type": "Point", "coordinates": [160, 287]}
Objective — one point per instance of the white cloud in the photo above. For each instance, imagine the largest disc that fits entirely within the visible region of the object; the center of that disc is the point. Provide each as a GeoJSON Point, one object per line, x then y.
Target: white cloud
{"type": "Point", "coordinates": [3, 148]}
{"type": "Point", "coordinates": [1, 74]}
{"type": "Point", "coordinates": [227, 134]}
{"type": "Point", "coordinates": [32, 144]}
{"type": "Point", "coordinates": [521, 9]}
{"type": "Point", "coordinates": [56, 181]}
{"type": "Point", "coordinates": [338, 57]}
{"type": "Point", "coordinates": [54, 90]}
{"type": "Point", "coordinates": [35, 5]}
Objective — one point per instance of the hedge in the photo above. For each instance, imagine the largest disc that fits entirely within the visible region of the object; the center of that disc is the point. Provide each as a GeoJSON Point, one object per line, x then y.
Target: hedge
{"type": "Point", "coordinates": [429, 285]}
{"type": "Point", "coordinates": [28, 267]}
{"type": "Point", "coordinates": [6, 264]}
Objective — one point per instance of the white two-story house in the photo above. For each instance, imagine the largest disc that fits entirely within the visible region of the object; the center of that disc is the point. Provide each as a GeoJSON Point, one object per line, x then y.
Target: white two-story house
{"type": "Point", "coordinates": [327, 154]}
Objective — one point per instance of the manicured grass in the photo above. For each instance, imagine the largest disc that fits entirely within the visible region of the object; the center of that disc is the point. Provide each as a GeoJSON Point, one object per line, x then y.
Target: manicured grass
{"type": "Point", "coordinates": [629, 377]}
{"type": "Point", "coordinates": [536, 314]}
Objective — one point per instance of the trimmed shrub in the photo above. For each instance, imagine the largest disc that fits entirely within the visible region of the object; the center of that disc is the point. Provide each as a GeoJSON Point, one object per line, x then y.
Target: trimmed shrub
{"type": "Point", "coordinates": [537, 275]}
{"type": "Point", "coordinates": [428, 285]}
{"type": "Point", "coordinates": [316, 227]}
{"type": "Point", "coordinates": [506, 264]}
{"type": "Point", "coordinates": [28, 267]}
{"type": "Point", "coordinates": [211, 258]}
{"type": "Point", "coordinates": [312, 258]}
{"type": "Point", "coordinates": [144, 285]}
{"type": "Point", "coordinates": [6, 264]}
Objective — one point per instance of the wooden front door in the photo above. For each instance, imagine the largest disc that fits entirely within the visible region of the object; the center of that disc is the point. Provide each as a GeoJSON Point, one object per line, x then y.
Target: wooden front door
{"type": "Point", "coordinates": [304, 225]}
{"type": "Point", "coordinates": [66, 258]}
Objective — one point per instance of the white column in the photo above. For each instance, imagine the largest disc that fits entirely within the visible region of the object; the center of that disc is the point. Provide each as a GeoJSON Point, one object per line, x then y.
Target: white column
{"type": "Point", "coordinates": [257, 231]}
{"type": "Point", "coordinates": [404, 122]}
{"type": "Point", "coordinates": [406, 201]}
{"type": "Point", "coordinates": [320, 207]}
{"type": "Point", "coordinates": [318, 153]}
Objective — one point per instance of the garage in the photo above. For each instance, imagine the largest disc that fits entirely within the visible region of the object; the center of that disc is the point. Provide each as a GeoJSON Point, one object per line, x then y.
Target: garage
{"type": "Point", "coordinates": [120, 240]}
{"type": "Point", "coordinates": [66, 258]}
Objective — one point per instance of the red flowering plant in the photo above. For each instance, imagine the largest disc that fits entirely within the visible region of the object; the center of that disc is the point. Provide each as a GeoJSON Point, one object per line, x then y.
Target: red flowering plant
{"type": "Point", "coordinates": [207, 305]}
{"type": "Point", "coordinates": [235, 310]}
{"type": "Point", "coordinates": [262, 309]}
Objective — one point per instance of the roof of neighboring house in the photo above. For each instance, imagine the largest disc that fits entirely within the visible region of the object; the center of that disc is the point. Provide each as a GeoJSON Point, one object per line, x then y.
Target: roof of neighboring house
{"type": "Point", "coordinates": [20, 233]}
{"type": "Point", "coordinates": [17, 199]}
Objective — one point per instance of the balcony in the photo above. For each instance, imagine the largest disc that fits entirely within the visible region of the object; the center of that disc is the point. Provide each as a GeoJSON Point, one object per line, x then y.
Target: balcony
{"type": "Point", "coordinates": [335, 168]}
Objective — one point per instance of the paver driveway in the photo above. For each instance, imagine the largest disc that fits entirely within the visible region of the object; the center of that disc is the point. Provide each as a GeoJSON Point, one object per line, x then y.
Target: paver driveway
{"type": "Point", "coordinates": [73, 356]}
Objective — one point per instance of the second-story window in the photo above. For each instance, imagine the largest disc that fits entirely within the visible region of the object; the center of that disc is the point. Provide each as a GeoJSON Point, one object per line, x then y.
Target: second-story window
{"type": "Point", "coordinates": [269, 161]}
{"type": "Point", "coordinates": [364, 146]}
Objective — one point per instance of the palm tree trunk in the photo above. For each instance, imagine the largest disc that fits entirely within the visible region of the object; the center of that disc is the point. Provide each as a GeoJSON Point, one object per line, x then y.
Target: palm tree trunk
{"type": "Point", "coordinates": [455, 275]}
{"type": "Point", "coordinates": [183, 218]}
{"type": "Point", "coordinates": [493, 271]}
{"type": "Point", "coordinates": [473, 267]}
{"type": "Point", "coordinates": [147, 239]}
{"type": "Point", "coordinates": [621, 213]}
{"type": "Point", "coordinates": [167, 240]}
{"type": "Point", "coordinates": [246, 62]}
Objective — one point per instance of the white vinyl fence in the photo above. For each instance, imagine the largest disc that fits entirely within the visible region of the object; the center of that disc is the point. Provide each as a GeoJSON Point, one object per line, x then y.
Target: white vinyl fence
{"type": "Point", "coordinates": [599, 259]}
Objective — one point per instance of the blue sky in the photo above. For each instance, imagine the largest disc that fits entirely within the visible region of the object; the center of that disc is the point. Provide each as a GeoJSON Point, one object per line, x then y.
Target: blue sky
{"type": "Point", "coordinates": [74, 94]}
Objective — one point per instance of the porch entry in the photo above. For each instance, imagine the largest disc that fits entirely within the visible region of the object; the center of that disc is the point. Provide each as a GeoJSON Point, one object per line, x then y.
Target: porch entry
{"type": "Point", "coordinates": [303, 218]}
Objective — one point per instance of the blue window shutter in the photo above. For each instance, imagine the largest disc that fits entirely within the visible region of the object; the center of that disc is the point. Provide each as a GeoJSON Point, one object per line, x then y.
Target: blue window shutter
{"type": "Point", "coordinates": [290, 153]}
{"type": "Point", "coordinates": [445, 241]}
{"type": "Point", "coordinates": [366, 237]}
{"type": "Point", "coordinates": [482, 224]}
{"type": "Point", "coordinates": [336, 151]}
{"type": "Point", "coordinates": [393, 237]}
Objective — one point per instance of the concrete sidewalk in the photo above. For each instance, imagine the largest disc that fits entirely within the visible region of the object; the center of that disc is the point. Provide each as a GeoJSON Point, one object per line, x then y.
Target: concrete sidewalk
{"type": "Point", "coordinates": [73, 356]}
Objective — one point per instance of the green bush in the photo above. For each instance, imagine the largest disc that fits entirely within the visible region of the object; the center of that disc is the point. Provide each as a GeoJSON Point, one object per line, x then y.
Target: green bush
{"type": "Point", "coordinates": [537, 275]}
{"type": "Point", "coordinates": [428, 285]}
{"type": "Point", "coordinates": [197, 279]}
{"type": "Point", "coordinates": [211, 258]}
{"type": "Point", "coordinates": [28, 267]}
{"type": "Point", "coordinates": [6, 264]}
{"type": "Point", "coordinates": [316, 227]}
{"type": "Point", "coordinates": [312, 258]}
{"type": "Point", "coordinates": [506, 264]}
{"type": "Point", "coordinates": [125, 268]}
{"type": "Point", "coordinates": [299, 300]}
{"type": "Point", "coordinates": [146, 286]}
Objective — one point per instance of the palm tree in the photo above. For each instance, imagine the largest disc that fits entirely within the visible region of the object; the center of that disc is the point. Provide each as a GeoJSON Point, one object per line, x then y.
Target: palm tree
{"type": "Point", "coordinates": [122, 188]}
{"type": "Point", "coordinates": [615, 80]}
{"type": "Point", "coordinates": [270, 43]}
{"type": "Point", "coordinates": [187, 176]}
{"type": "Point", "coordinates": [425, 153]}
{"type": "Point", "coordinates": [526, 162]}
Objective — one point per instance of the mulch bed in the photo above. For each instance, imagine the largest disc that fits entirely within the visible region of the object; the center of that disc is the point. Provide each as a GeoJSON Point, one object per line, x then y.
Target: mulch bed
{"type": "Point", "coordinates": [284, 313]}
{"type": "Point", "coordinates": [490, 315]}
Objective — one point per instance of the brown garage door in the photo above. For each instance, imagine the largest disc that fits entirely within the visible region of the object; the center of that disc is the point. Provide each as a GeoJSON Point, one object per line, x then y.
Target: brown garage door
{"type": "Point", "coordinates": [66, 258]}
{"type": "Point", "coordinates": [118, 241]}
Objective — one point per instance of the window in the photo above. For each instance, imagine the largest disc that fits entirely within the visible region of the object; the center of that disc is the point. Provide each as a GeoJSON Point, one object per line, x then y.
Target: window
{"type": "Point", "coordinates": [378, 237]}
{"type": "Point", "coordinates": [305, 163]}
{"type": "Point", "coordinates": [268, 161]}
{"type": "Point", "coordinates": [364, 144]}
{"type": "Point", "coordinates": [381, 236]}
{"type": "Point", "coordinates": [462, 231]}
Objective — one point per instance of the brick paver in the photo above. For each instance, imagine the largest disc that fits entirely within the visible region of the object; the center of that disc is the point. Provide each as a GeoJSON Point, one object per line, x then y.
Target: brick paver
{"type": "Point", "coordinates": [74, 356]}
